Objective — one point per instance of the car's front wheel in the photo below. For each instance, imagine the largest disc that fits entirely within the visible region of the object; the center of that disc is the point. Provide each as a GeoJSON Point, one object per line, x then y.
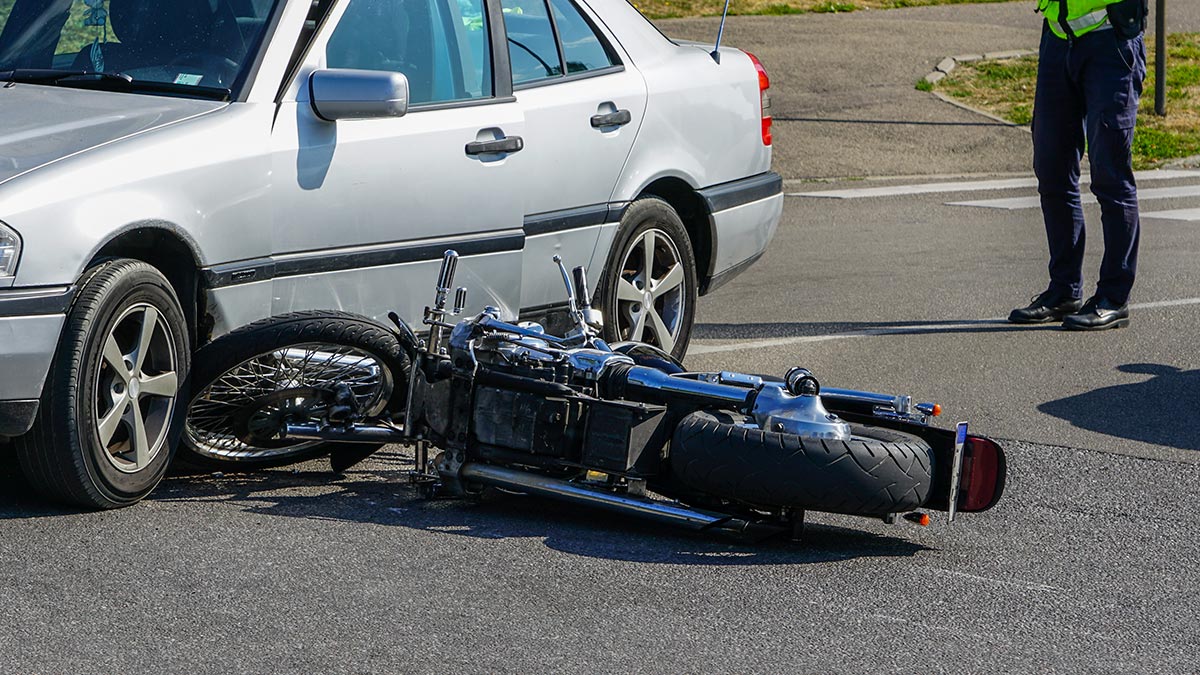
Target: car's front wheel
{"type": "Point", "coordinates": [649, 287]}
{"type": "Point", "coordinates": [111, 410]}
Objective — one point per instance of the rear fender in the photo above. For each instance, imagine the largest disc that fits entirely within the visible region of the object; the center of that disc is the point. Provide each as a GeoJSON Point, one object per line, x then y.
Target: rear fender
{"type": "Point", "coordinates": [984, 467]}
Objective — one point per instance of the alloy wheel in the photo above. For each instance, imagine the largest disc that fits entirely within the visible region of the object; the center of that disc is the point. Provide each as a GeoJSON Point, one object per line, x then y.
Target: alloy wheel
{"type": "Point", "coordinates": [651, 297]}
{"type": "Point", "coordinates": [136, 387]}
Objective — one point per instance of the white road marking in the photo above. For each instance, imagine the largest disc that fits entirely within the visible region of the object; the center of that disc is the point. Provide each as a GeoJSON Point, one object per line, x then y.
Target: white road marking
{"type": "Point", "coordinates": [1015, 203]}
{"type": "Point", "coordinates": [926, 188]}
{"type": "Point", "coordinates": [971, 186]}
{"type": "Point", "coordinates": [701, 349]}
{"type": "Point", "coordinates": [1177, 214]}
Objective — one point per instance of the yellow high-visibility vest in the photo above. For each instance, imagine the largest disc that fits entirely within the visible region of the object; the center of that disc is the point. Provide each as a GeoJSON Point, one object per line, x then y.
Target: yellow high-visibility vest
{"type": "Point", "coordinates": [1079, 18]}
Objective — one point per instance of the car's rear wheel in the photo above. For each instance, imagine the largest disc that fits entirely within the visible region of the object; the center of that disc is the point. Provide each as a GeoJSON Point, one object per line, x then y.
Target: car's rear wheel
{"type": "Point", "coordinates": [649, 287]}
{"type": "Point", "coordinates": [111, 410]}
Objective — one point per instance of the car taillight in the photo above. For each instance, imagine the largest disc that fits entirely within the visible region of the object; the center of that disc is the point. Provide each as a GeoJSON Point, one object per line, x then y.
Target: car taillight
{"type": "Point", "coordinates": [983, 474]}
{"type": "Point", "coordinates": [764, 83]}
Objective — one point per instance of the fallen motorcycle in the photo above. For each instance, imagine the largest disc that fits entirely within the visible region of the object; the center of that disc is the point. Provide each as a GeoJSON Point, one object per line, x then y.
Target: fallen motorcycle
{"type": "Point", "coordinates": [486, 402]}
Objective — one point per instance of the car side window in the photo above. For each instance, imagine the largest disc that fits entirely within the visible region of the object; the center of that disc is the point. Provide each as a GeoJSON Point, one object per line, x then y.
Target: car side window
{"type": "Point", "coordinates": [441, 46]}
{"type": "Point", "coordinates": [532, 49]}
{"type": "Point", "coordinates": [583, 48]}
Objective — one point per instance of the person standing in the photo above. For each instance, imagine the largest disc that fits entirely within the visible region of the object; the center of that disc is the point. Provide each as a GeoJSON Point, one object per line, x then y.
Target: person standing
{"type": "Point", "coordinates": [1091, 66]}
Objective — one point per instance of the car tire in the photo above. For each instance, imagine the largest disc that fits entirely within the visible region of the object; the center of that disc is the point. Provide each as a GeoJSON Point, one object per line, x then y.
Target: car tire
{"type": "Point", "coordinates": [111, 411]}
{"type": "Point", "coordinates": [650, 230]}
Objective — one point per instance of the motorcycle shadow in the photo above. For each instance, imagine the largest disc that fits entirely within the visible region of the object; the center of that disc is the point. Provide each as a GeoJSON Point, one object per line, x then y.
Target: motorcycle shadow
{"type": "Point", "coordinates": [378, 495]}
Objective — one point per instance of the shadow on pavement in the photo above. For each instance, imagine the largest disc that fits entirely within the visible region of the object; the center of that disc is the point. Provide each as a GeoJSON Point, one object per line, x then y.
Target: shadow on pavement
{"type": "Point", "coordinates": [381, 497]}
{"type": "Point", "coordinates": [1163, 410]}
{"type": "Point", "coordinates": [17, 500]}
{"type": "Point", "coordinates": [379, 494]}
{"type": "Point", "coordinates": [749, 331]}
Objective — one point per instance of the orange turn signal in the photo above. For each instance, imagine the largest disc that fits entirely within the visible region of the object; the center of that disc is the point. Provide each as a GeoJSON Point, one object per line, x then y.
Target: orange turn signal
{"type": "Point", "coordinates": [937, 409]}
{"type": "Point", "coordinates": [921, 519]}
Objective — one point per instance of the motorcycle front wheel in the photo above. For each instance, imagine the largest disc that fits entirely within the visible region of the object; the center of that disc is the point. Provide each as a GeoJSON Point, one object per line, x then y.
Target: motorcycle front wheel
{"type": "Point", "coordinates": [306, 353]}
{"type": "Point", "coordinates": [877, 472]}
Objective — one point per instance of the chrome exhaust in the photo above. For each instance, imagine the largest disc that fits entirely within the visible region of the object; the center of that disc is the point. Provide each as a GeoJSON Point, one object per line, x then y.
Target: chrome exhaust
{"type": "Point", "coordinates": [357, 433]}
{"type": "Point", "coordinates": [553, 488]}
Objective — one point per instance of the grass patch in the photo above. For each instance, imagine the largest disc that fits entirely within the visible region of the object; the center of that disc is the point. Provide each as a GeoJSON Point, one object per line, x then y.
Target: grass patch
{"type": "Point", "coordinates": [1006, 88]}
{"type": "Point", "coordinates": [672, 9]}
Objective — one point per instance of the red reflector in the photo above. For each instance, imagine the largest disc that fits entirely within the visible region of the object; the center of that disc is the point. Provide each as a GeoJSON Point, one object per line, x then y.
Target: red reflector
{"type": "Point", "coordinates": [982, 475]}
{"type": "Point", "coordinates": [764, 83]}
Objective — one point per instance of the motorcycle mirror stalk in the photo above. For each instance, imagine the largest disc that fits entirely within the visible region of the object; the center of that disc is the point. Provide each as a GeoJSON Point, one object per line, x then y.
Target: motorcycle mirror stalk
{"type": "Point", "coordinates": [588, 322]}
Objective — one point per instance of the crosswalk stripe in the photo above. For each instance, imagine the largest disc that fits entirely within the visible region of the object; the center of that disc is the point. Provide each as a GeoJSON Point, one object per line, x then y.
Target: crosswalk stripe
{"type": "Point", "coordinates": [1014, 203]}
{"type": "Point", "coordinates": [972, 186]}
{"type": "Point", "coordinates": [1177, 214]}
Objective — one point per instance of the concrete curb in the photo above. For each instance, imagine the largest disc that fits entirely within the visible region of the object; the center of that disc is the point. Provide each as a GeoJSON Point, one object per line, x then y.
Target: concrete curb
{"type": "Point", "coordinates": [1183, 163]}
{"type": "Point", "coordinates": [948, 64]}
{"type": "Point", "coordinates": [995, 118]}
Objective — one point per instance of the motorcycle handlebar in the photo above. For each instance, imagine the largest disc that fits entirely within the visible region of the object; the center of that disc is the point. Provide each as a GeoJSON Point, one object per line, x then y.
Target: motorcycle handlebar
{"type": "Point", "coordinates": [652, 385]}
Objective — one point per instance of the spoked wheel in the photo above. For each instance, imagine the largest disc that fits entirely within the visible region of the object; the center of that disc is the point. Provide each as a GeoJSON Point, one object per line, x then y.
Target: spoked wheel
{"type": "Point", "coordinates": [265, 369]}
{"type": "Point", "coordinates": [649, 288]}
{"type": "Point", "coordinates": [261, 423]}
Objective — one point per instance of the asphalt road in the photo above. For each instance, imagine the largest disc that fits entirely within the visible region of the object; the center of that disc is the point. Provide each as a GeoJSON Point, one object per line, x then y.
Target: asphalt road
{"type": "Point", "coordinates": [1089, 564]}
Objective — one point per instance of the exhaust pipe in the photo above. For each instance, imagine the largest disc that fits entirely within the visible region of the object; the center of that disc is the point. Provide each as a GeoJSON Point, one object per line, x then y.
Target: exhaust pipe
{"type": "Point", "coordinates": [357, 433]}
{"type": "Point", "coordinates": [544, 486]}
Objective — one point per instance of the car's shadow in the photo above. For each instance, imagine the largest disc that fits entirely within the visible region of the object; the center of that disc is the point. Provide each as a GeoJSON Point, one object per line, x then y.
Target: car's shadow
{"type": "Point", "coordinates": [379, 495]}
{"type": "Point", "coordinates": [758, 331]}
{"type": "Point", "coordinates": [1162, 410]}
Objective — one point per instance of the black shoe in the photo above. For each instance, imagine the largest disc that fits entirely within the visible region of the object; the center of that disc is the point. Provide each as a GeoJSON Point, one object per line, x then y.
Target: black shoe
{"type": "Point", "coordinates": [1049, 306]}
{"type": "Point", "coordinates": [1098, 313]}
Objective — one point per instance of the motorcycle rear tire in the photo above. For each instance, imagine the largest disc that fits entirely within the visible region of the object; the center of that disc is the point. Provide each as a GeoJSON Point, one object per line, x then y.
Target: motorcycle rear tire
{"type": "Point", "coordinates": [332, 328]}
{"type": "Point", "coordinates": [879, 471]}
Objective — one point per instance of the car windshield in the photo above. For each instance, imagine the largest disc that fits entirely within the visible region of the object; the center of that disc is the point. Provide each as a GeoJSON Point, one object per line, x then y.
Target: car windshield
{"type": "Point", "coordinates": [196, 47]}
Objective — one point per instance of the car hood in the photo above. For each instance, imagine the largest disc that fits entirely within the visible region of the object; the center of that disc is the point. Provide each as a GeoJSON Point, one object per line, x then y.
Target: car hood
{"type": "Point", "coordinates": [42, 124]}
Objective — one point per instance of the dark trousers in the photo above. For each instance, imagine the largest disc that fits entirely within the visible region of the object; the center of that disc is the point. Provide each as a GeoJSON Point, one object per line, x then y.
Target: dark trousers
{"type": "Point", "coordinates": [1088, 91]}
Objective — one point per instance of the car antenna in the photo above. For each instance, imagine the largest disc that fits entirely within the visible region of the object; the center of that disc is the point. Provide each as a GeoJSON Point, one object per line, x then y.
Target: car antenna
{"type": "Point", "coordinates": [716, 52]}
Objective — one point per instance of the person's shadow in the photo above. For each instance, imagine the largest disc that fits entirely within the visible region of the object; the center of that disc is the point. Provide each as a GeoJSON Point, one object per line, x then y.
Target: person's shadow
{"type": "Point", "coordinates": [1162, 410]}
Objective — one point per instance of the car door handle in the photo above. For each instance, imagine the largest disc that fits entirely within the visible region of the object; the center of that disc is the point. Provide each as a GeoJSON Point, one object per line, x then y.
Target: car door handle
{"type": "Point", "coordinates": [613, 119]}
{"type": "Point", "coordinates": [506, 144]}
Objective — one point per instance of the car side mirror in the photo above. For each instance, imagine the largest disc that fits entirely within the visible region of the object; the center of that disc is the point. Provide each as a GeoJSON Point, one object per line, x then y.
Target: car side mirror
{"type": "Point", "coordinates": [345, 94]}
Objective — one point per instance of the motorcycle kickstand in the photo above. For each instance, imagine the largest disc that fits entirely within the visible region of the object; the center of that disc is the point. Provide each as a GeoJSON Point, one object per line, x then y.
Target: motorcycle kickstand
{"type": "Point", "coordinates": [424, 475]}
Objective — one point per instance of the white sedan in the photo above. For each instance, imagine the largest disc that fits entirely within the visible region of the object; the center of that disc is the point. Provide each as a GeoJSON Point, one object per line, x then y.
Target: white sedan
{"type": "Point", "coordinates": [170, 171]}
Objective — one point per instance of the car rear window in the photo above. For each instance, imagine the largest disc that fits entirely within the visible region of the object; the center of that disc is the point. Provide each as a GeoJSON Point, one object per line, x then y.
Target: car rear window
{"type": "Point", "coordinates": [532, 48]}
{"type": "Point", "coordinates": [583, 47]}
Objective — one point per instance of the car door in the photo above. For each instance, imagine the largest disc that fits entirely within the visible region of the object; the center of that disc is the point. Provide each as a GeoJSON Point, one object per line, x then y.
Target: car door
{"type": "Point", "coordinates": [582, 106]}
{"type": "Point", "coordinates": [366, 208]}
